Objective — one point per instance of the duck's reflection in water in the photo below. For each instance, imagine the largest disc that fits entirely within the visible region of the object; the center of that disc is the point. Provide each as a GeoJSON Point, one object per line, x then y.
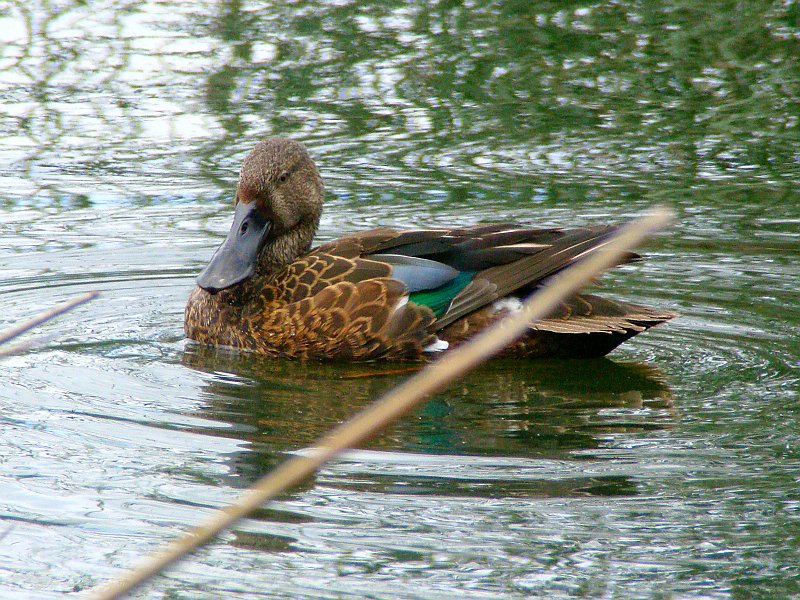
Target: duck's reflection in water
{"type": "Point", "coordinates": [554, 411]}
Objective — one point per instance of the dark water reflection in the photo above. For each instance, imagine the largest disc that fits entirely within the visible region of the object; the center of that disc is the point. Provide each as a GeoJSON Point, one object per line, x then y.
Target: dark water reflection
{"type": "Point", "coordinates": [669, 470]}
{"type": "Point", "coordinates": [516, 408]}
{"type": "Point", "coordinates": [511, 408]}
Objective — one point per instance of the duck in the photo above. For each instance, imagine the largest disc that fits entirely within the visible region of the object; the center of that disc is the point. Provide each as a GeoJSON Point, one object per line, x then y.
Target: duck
{"type": "Point", "coordinates": [386, 293]}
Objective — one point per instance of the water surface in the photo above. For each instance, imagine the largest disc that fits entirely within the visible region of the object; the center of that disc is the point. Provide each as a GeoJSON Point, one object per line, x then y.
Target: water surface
{"type": "Point", "coordinates": [668, 469]}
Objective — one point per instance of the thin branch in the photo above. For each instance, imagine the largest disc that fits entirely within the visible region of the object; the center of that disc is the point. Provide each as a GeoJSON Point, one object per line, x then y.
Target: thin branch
{"type": "Point", "coordinates": [395, 403]}
{"type": "Point", "coordinates": [44, 316]}
{"type": "Point", "coordinates": [26, 346]}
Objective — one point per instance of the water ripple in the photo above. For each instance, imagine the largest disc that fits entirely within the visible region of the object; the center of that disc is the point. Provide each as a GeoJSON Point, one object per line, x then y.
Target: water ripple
{"type": "Point", "coordinates": [670, 469]}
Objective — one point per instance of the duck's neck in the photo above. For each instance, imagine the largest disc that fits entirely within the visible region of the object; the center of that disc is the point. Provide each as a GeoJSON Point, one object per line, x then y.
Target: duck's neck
{"type": "Point", "coordinates": [283, 249]}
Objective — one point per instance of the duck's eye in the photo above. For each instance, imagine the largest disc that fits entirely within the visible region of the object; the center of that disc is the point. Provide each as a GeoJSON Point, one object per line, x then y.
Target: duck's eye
{"type": "Point", "coordinates": [283, 177]}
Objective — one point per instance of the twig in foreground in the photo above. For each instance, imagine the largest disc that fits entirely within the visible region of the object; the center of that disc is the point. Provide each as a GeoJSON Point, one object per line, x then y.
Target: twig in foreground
{"type": "Point", "coordinates": [26, 346]}
{"type": "Point", "coordinates": [395, 403]}
{"type": "Point", "coordinates": [44, 316]}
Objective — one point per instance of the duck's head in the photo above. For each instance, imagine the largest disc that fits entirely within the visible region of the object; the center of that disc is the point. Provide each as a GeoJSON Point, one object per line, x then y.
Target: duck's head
{"type": "Point", "coordinates": [278, 206]}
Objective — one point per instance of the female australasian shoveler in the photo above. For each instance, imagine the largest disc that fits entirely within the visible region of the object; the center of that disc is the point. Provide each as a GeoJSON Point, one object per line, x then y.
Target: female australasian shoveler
{"type": "Point", "coordinates": [384, 293]}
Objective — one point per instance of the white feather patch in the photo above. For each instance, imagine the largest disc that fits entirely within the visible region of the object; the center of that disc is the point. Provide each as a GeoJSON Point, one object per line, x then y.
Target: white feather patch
{"type": "Point", "coordinates": [400, 304]}
{"type": "Point", "coordinates": [507, 304]}
{"type": "Point", "coordinates": [437, 346]}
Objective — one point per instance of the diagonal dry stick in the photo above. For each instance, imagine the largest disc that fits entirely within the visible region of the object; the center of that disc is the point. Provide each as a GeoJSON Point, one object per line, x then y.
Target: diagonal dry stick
{"type": "Point", "coordinates": [44, 316]}
{"type": "Point", "coordinates": [395, 403]}
{"type": "Point", "coordinates": [26, 346]}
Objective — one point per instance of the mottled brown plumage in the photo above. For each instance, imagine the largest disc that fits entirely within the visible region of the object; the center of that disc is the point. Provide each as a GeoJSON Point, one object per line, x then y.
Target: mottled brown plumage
{"type": "Point", "coordinates": [384, 293]}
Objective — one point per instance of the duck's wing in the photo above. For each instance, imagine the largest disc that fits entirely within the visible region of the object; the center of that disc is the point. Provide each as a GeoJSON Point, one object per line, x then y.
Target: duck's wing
{"type": "Point", "coordinates": [542, 255]}
{"type": "Point", "coordinates": [587, 313]}
{"type": "Point", "coordinates": [583, 326]}
{"type": "Point", "coordinates": [457, 271]}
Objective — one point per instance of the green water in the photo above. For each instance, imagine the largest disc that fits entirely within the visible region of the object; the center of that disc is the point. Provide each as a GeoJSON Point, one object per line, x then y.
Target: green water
{"type": "Point", "coordinates": [670, 469]}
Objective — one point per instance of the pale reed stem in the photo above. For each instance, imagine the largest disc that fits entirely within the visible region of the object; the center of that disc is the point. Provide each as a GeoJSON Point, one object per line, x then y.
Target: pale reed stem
{"type": "Point", "coordinates": [44, 316]}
